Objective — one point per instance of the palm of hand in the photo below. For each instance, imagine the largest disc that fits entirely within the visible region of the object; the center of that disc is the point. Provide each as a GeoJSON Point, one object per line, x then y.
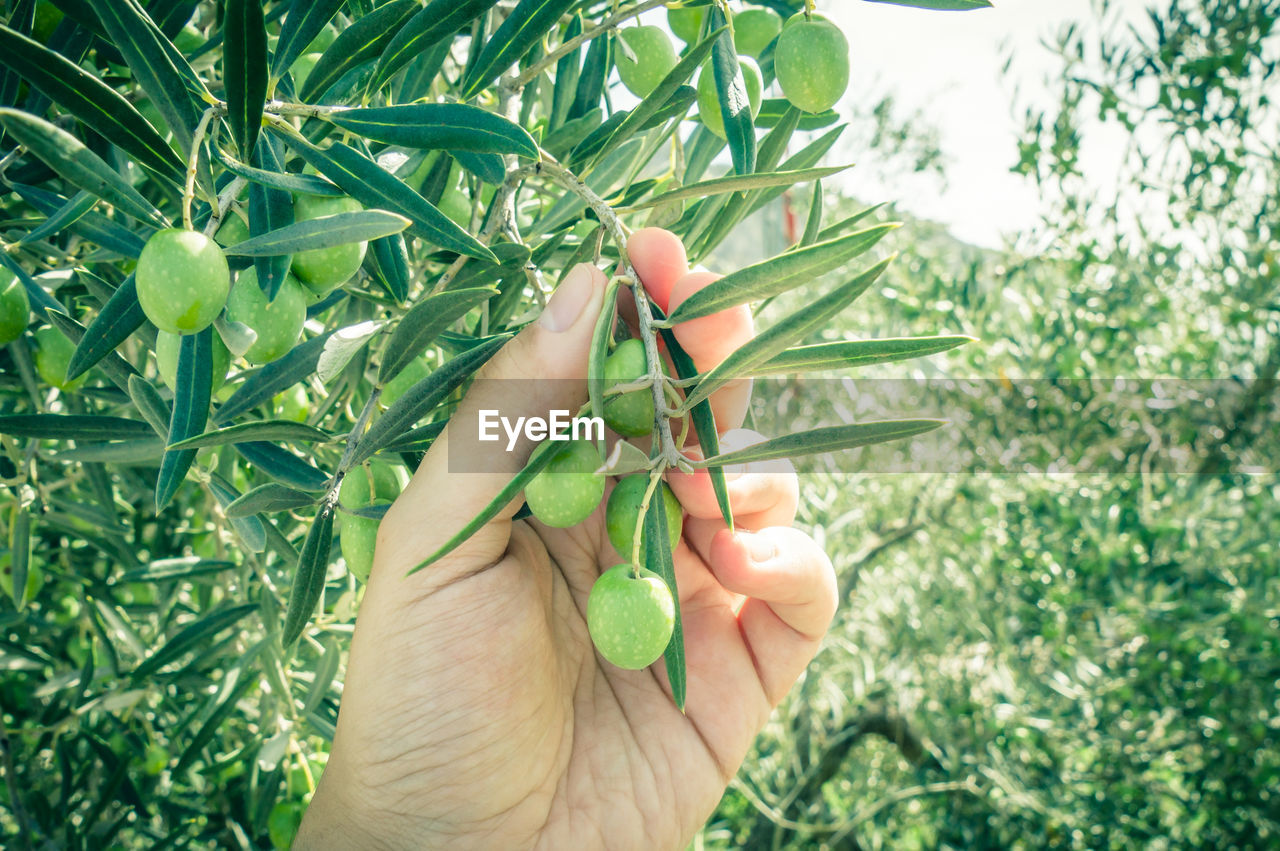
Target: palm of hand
{"type": "Point", "coordinates": [532, 739]}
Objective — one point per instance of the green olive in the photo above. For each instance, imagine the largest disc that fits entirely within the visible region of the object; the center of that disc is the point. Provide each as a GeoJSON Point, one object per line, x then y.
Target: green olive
{"type": "Point", "coordinates": [278, 323]}
{"type": "Point", "coordinates": [182, 280]}
{"type": "Point", "coordinates": [283, 823]}
{"type": "Point", "coordinates": [630, 615]}
{"type": "Point", "coordinates": [709, 98]}
{"type": "Point", "coordinates": [324, 269]}
{"type": "Point", "coordinates": [568, 489]}
{"type": "Point", "coordinates": [53, 356]}
{"type": "Point", "coordinates": [811, 60]}
{"type": "Point", "coordinates": [232, 231]}
{"type": "Point", "coordinates": [413, 372]}
{"type": "Point", "coordinates": [622, 512]}
{"type": "Point", "coordinates": [686, 23]}
{"type": "Point", "coordinates": [655, 56]}
{"type": "Point", "coordinates": [15, 308]}
{"type": "Point", "coordinates": [753, 29]}
{"type": "Point", "coordinates": [631, 414]}
{"type": "Point", "coordinates": [167, 347]}
{"type": "Point", "coordinates": [358, 537]}
{"type": "Point", "coordinates": [362, 485]}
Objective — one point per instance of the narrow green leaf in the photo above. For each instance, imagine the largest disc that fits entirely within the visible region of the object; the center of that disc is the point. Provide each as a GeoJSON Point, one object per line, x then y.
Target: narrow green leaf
{"type": "Point", "coordinates": [76, 164]}
{"type": "Point", "coordinates": [244, 71]}
{"type": "Point", "coordinates": [270, 210]}
{"type": "Point", "coordinates": [523, 28]}
{"type": "Point", "coordinates": [362, 41]}
{"type": "Point", "coordinates": [116, 368]}
{"type": "Point", "coordinates": [422, 397]}
{"type": "Point", "coordinates": [343, 345]}
{"type": "Point", "coordinates": [325, 672]}
{"type": "Point", "coordinates": [323, 232]}
{"type": "Point", "coordinates": [658, 560]}
{"type": "Point", "coordinates": [167, 569]}
{"type": "Point", "coordinates": [66, 215]}
{"type": "Point", "coordinates": [594, 77]}
{"type": "Point", "coordinates": [600, 337]}
{"type": "Point", "coordinates": [152, 408]}
{"type": "Point", "coordinates": [119, 317]}
{"type": "Point", "coordinates": [86, 97]}
{"type": "Point", "coordinates": [541, 456]}
{"type": "Point", "coordinates": [848, 354]}
{"type": "Point", "coordinates": [814, 223]}
{"type": "Point", "coordinates": [282, 465]}
{"type": "Point", "coordinates": [438, 126]}
{"type": "Point", "coordinates": [415, 440]}
{"type": "Point", "coordinates": [568, 70]}
{"type": "Point", "coordinates": [190, 411]}
{"type": "Point", "coordinates": [832, 231]}
{"type": "Point", "coordinates": [74, 427]}
{"type": "Point", "coordinates": [94, 227]}
{"type": "Point", "coordinates": [158, 67]}
{"type": "Point", "coordinates": [307, 184]}
{"type": "Point", "coordinates": [233, 687]}
{"type": "Point", "coordinates": [192, 637]}
{"type": "Point", "coordinates": [251, 530]}
{"type": "Point", "coordinates": [268, 499]}
{"type": "Point", "coordinates": [273, 378]}
{"type": "Point", "coordinates": [374, 186]}
{"type": "Point", "coordinates": [487, 167]}
{"type": "Point", "coordinates": [822, 440]}
{"type": "Point", "coordinates": [739, 183]}
{"type": "Point", "coordinates": [772, 111]}
{"type": "Point", "coordinates": [704, 424]}
{"type": "Point", "coordinates": [308, 581]}
{"type": "Point", "coordinates": [419, 328]}
{"type": "Point", "coordinates": [19, 555]}
{"type": "Point", "coordinates": [735, 107]}
{"type": "Point", "coordinates": [389, 259]}
{"type": "Point", "coordinates": [304, 22]}
{"type": "Point", "coordinates": [778, 274]}
{"type": "Point", "coordinates": [775, 339]}
{"type": "Point", "coordinates": [440, 19]}
{"type": "Point", "coordinates": [284, 431]}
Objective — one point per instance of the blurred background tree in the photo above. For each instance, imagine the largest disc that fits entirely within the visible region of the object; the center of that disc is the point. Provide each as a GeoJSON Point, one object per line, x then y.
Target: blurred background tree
{"type": "Point", "coordinates": [1075, 660]}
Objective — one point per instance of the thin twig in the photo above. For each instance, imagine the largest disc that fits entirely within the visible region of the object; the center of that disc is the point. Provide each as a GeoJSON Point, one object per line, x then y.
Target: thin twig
{"type": "Point", "coordinates": [193, 162]}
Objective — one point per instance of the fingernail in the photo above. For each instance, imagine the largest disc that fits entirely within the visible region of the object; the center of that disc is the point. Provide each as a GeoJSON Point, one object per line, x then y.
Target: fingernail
{"type": "Point", "coordinates": [760, 547]}
{"type": "Point", "coordinates": [569, 300]}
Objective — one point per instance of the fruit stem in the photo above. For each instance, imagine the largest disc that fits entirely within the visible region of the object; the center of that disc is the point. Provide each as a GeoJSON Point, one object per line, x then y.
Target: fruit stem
{"type": "Point", "coordinates": [197, 141]}
{"type": "Point", "coordinates": [530, 73]}
{"type": "Point", "coordinates": [654, 477]}
{"type": "Point", "coordinates": [548, 166]}
{"type": "Point", "coordinates": [225, 199]}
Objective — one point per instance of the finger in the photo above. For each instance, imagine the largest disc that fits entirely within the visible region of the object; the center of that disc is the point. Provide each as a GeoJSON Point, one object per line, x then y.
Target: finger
{"type": "Point", "coordinates": [517, 382]}
{"type": "Point", "coordinates": [659, 259]}
{"type": "Point", "coordinates": [753, 487]}
{"type": "Point", "coordinates": [791, 588]}
{"type": "Point", "coordinates": [711, 339]}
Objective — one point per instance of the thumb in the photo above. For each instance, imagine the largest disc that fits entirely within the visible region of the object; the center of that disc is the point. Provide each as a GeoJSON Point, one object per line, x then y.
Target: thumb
{"type": "Point", "coordinates": [542, 369]}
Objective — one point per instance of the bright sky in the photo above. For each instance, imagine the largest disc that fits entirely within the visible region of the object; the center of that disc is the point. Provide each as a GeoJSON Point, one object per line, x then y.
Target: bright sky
{"type": "Point", "coordinates": [948, 64]}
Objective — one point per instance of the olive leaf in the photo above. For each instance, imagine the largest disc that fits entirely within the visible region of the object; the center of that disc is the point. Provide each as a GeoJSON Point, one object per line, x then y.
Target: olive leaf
{"type": "Point", "coordinates": [304, 22]}
{"type": "Point", "coordinates": [776, 338]}
{"type": "Point", "coordinates": [778, 274]}
{"type": "Point", "coordinates": [322, 232]}
{"type": "Point", "coordinates": [847, 354]}
{"type": "Point", "coordinates": [268, 499]}
{"type": "Point", "coordinates": [284, 431]}
{"type": "Point", "coordinates": [78, 165]}
{"type": "Point", "coordinates": [438, 126]}
{"type": "Point", "coordinates": [244, 63]}
{"type": "Point", "coordinates": [658, 559]}
{"type": "Point", "coordinates": [118, 318]}
{"type": "Point", "coordinates": [822, 440]}
{"type": "Point", "coordinates": [308, 580]}
{"type": "Point", "coordinates": [419, 327]}
{"type": "Point", "coordinates": [357, 44]}
{"type": "Point", "coordinates": [438, 20]}
{"type": "Point", "coordinates": [190, 411]}
{"type": "Point", "coordinates": [522, 29]}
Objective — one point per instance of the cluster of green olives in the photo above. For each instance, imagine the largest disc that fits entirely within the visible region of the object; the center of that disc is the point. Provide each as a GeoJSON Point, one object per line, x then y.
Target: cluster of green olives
{"type": "Point", "coordinates": [184, 283]}
{"type": "Point", "coordinates": [630, 611]}
{"type": "Point", "coordinates": [810, 58]}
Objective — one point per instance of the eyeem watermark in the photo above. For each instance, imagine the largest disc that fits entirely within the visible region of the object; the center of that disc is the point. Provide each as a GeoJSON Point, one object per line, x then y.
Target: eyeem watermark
{"type": "Point", "coordinates": [559, 425]}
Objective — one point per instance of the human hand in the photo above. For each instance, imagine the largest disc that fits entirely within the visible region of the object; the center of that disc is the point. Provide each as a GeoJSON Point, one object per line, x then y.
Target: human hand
{"type": "Point", "coordinates": [476, 712]}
